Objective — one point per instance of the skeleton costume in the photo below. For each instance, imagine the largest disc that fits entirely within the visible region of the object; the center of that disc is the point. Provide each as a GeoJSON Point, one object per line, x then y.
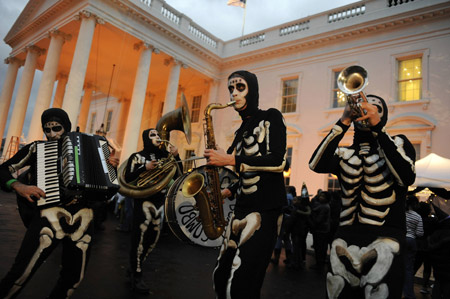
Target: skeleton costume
{"type": "Point", "coordinates": [147, 212]}
{"type": "Point", "coordinates": [260, 149]}
{"type": "Point", "coordinates": [68, 223]}
{"type": "Point", "coordinates": [374, 174]}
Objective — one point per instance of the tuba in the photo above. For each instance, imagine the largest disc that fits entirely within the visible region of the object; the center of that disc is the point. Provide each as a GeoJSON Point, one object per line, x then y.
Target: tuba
{"type": "Point", "coordinates": [351, 81]}
{"type": "Point", "coordinates": [208, 197]}
{"type": "Point", "coordinates": [153, 181]}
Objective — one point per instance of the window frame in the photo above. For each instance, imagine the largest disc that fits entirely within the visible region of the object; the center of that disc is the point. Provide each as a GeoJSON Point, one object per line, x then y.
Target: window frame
{"type": "Point", "coordinates": [296, 97]}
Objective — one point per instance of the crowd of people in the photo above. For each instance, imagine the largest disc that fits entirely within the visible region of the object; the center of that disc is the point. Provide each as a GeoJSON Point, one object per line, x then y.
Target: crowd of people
{"type": "Point", "coordinates": [367, 238]}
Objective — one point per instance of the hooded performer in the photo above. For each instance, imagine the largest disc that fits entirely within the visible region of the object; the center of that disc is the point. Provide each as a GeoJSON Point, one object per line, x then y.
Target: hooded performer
{"type": "Point", "coordinates": [258, 153]}
{"type": "Point", "coordinates": [147, 212]}
{"type": "Point", "coordinates": [44, 229]}
{"type": "Point", "coordinates": [374, 174]}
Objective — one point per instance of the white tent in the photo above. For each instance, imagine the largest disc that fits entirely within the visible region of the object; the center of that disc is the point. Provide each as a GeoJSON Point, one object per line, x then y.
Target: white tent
{"type": "Point", "coordinates": [433, 171]}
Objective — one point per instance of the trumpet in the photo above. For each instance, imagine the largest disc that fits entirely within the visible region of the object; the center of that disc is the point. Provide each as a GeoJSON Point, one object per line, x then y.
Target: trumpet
{"type": "Point", "coordinates": [351, 81]}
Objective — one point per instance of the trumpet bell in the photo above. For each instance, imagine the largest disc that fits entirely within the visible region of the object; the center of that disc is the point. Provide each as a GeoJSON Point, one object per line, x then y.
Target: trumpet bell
{"type": "Point", "coordinates": [353, 79]}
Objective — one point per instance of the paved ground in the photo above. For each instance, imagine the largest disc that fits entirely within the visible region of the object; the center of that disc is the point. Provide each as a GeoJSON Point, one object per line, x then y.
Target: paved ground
{"type": "Point", "coordinates": [174, 269]}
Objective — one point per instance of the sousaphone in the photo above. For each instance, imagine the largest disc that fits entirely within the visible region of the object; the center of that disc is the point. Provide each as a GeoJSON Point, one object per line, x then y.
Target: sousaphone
{"type": "Point", "coordinates": [153, 181]}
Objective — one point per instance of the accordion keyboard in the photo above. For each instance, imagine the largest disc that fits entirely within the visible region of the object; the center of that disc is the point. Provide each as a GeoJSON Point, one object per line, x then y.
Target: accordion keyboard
{"type": "Point", "coordinates": [47, 172]}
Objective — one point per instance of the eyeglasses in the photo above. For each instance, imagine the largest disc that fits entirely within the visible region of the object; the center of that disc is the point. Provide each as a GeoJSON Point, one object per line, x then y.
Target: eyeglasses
{"type": "Point", "coordinates": [54, 129]}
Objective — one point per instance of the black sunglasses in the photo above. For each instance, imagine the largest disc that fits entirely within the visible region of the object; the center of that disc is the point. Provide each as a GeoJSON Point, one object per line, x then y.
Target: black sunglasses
{"type": "Point", "coordinates": [54, 129]}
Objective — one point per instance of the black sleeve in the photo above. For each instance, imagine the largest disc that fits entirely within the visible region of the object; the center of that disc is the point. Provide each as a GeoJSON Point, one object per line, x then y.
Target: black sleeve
{"type": "Point", "coordinates": [22, 158]}
{"type": "Point", "coordinates": [399, 153]}
{"type": "Point", "coordinates": [135, 166]}
{"type": "Point", "coordinates": [325, 159]}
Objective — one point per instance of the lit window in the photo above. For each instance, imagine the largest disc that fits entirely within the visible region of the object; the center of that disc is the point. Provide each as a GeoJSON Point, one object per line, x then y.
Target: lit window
{"type": "Point", "coordinates": [195, 110]}
{"type": "Point", "coordinates": [287, 172]}
{"type": "Point", "coordinates": [333, 183]}
{"type": "Point", "coordinates": [289, 97]}
{"type": "Point", "coordinates": [93, 120]}
{"type": "Point", "coordinates": [188, 164]}
{"type": "Point", "coordinates": [410, 79]}
{"type": "Point", "coordinates": [339, 98]}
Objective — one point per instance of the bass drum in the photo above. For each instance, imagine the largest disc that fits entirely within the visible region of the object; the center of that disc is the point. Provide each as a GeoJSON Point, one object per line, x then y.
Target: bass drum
{"type": "Point", "coordinates": [182, 216]}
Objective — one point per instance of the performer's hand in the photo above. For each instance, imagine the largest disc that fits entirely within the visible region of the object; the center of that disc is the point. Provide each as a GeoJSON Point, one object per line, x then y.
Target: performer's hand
{"type": "Point", "coordinates": [28, 191]}
{"type": "Point", "coordinates": [149, 165]}
{"type": "Point", "coordinates": [371, 115]}
{"type": "Point", "coordinates": [226, 193]}
{"type": "Point", "coordinates": [113, 161]}
{"type": "Point", "coordinates": [218, 157]}
{"type": "Point", "coordinates": [348, 115]}
{"type": "Point", "coordinates": [173, 150]}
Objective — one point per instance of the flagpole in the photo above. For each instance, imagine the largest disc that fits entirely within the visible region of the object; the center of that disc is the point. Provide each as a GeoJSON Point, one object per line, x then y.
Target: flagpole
{"type": "Point", "coordinates": [243, 22]}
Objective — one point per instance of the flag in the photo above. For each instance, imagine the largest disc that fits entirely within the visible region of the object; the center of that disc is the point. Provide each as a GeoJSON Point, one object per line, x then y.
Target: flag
{"type": "Point", "coordinates": [240, 3]}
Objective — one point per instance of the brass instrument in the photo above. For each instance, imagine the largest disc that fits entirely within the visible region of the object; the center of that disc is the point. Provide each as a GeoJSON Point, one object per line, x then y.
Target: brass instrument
{"type": "Point", "coordinates": [208, 198]}
{"type": "Point", "coordinates": [351, 81]}
{"type": "Point", "coordinates": [152, 181]}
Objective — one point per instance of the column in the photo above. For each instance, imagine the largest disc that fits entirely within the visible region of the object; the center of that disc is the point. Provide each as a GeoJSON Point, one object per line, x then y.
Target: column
{"type": "Point", "coordinates": [60, 90]}
{"type": "Point", "coordinates": [85, 104]}
{"type": "Point", "coordinates": [23, 94]}
{"type": "Point", "coordinates": [45, 91]}
{"type": "Point", "coordinates": [7, 90]}
{"type": "Point", "coordinates": [172, 86]}
{"type": "Point", "coordinates": [132, 133]}
{"type": "Point", "coordinates": [77, 74]}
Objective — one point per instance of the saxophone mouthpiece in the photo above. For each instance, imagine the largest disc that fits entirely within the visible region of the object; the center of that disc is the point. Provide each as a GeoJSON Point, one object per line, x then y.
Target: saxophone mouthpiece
{"type": "Point", "coordinates": [231, 103]}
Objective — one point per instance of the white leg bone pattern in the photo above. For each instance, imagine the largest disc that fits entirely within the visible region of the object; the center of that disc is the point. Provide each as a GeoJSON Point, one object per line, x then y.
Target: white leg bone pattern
{"type": "Point", "coordinates": [83, 244]}
{"type": "Point", "coordinates": [45, 240]}
{"type": "Point", "coordinates": [247, 226]}
{"type": "Point", "coordinates": [358, 172]}
{"type": "Point", "coordinates": [381, 250]}
{"type": "Point", "coordinates": [54, 214]}
{"type": "Point", "coordinates": [154, 216]}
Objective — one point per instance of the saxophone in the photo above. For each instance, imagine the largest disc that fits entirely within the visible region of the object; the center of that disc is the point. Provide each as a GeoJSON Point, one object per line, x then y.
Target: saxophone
{"type": "Point", "coordinates": [208, 197]}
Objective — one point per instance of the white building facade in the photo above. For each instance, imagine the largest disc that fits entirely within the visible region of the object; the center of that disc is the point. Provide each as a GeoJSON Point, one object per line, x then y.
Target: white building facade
{"type": "Point", "coordinates": [136, 57]}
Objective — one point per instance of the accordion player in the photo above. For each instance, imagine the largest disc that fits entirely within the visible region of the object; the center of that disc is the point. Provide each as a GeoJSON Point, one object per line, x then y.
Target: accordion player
{"type": "Point", "coordinates": [75, 166]}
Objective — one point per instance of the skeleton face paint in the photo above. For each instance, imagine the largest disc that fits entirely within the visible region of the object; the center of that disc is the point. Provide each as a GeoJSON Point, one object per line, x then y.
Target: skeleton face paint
{"type": "Point", "coordinates": [377, 103]}
{"type": "Point", "coordinates": [238, 89]}
{"type": "Point", "coordinates": [53, 130]}
{"type": "Point", "coordinates": [154, 137]}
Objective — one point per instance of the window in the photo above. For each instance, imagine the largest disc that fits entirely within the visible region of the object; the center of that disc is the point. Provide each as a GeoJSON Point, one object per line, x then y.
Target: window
{"type": "Point", "coordinates": [108, 120]}
{"type": "Point", "coordinates": [196, 104]}
{"type": "Point", "coordinates": [417, 149]}
{"type": "Point", "coordinates": [93, 120]}
{"type": "Point", "coordinates": [333, 183]}
{"type": "Point", "coordinates": [339, 98]}
{"type": "Point", "coordinates": [287, 172]}
{"type": "Point", "coordinates": [289, 96]}
{"type": "Point", "coordinates": [410, 79]}
{"type": "Point", "coordinates": [188, 164]}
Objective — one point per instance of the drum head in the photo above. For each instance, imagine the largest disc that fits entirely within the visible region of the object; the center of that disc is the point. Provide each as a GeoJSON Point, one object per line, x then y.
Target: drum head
{"type": "Point", "coordinates": [183, 218]}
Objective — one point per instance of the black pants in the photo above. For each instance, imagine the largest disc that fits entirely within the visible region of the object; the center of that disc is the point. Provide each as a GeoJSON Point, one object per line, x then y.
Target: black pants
{"type": "Point", "coordinates": [47, 229]}
{"type": "Point", "coordinates": [146, 229]}
{"type": "Point", "coordinates": [242, 264]}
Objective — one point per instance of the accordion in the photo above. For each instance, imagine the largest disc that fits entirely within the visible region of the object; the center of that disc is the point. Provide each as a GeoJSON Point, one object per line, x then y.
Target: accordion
{"type": "Point", "coordinates": [79, 165]}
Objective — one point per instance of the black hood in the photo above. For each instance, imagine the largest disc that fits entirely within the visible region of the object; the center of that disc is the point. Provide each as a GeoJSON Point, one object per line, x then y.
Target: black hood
{"type": "Point", "coordinates": [252, 95]}
{"type": "Point", "coordinates": [59, 115]}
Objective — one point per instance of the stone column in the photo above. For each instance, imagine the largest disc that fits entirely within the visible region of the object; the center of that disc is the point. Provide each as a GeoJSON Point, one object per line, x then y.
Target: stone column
{"type": "Point", "coordinates": [60, 90]}
{"type": "Point", "coordinates": [172, 85]}
{"type": "Point", "coordinates": [7, 90]}
{"type": "Point", "coordinates": [44, 95]}
{"type": "Point", "coordinates": [85, 104]}
{"type": "Point", "coordinates": [132, 133]}
{"type": "Point", "coordinates": [72, 96]}
{"type": "Point", "coordinates": [23, 94]}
